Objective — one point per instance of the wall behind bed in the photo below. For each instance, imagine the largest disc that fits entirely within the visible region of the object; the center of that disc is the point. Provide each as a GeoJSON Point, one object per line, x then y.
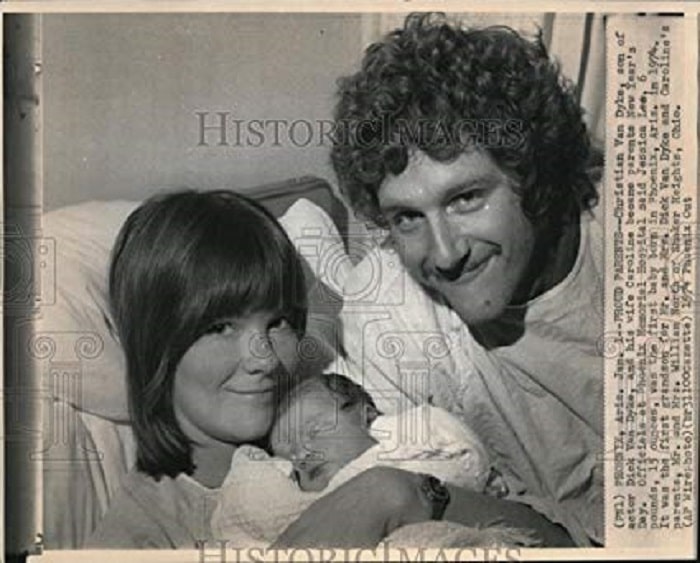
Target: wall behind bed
{"type": "Point", "coordinates": [122, 92]}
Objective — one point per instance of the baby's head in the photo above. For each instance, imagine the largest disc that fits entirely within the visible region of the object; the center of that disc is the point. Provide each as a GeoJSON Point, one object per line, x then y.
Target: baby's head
{"type": "Point", "coordinates": [322, 424]}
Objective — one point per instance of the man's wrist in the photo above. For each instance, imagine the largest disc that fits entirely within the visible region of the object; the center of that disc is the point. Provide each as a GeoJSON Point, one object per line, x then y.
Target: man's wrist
{"type": "Point", "coordinates": [437, 493]}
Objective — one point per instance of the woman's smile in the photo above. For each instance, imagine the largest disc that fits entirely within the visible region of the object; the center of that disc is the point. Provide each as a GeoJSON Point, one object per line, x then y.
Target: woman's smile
{"type": "Point", "coordinates": [263, 391]}
{"type": "Point", "coordinates": [225, 387]}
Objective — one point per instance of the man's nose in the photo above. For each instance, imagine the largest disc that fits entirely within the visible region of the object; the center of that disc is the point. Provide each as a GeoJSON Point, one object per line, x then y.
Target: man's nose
{"type": "Point", "coordinates": [450, 251]}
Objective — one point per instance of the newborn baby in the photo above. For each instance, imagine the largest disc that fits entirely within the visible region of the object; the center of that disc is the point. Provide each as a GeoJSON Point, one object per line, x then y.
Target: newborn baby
{"type": "Point", "coordinates": [328, 429]}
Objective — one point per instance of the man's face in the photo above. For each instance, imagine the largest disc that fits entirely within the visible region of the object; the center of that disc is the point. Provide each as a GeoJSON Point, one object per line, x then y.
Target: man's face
{"type": "Point", "coordinates": [460, 230]}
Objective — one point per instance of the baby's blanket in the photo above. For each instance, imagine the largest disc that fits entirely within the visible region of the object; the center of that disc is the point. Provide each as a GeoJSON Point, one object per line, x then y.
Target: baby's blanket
{"type": "Point", "coordinates": [260, 499]}
{"type": "Point", "coordinates": [424, 439]}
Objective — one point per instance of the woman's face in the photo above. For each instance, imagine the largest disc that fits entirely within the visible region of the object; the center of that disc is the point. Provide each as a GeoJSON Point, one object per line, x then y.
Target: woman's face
{"type": "Point", "coordinates": [225, 384]}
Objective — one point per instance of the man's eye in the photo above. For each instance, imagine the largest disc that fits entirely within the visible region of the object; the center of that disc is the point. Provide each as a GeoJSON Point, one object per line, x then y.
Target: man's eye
{"type": "Point", "coordinates": [406, 221]}
{"type": "Point", "coordinates": [468, 201]}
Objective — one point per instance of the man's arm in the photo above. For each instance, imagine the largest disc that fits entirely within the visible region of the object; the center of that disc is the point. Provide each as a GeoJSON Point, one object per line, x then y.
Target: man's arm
{"type": "Point", "coordinates": [361, 511]}
{"type": "Point", "coordinates": [479, 511]}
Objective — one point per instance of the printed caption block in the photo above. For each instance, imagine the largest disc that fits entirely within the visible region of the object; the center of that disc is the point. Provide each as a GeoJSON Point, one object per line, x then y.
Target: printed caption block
{"type": "Point", "coordinates": [651, 254]}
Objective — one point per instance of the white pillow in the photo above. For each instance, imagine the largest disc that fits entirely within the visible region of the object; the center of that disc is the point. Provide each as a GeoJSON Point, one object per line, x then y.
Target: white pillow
{"type": "Point", "coordinates": [75, 326]}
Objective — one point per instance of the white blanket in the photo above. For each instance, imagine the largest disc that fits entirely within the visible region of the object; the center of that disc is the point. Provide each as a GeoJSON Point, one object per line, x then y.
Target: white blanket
{"type": "Point", "coordinates": [260, 499]}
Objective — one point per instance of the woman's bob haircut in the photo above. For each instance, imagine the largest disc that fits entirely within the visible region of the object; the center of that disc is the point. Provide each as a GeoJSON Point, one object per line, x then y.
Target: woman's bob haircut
{"type": "Point", "coordinates": [182, 262]}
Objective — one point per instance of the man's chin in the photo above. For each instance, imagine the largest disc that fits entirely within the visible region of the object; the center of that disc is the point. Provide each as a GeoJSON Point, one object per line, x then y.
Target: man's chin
{"type": "Point", "coordinates": [486, 312]}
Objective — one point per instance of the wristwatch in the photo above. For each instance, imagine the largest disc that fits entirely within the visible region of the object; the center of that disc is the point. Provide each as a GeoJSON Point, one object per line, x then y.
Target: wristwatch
{"type": "Point", "coordinates": [438, 495]}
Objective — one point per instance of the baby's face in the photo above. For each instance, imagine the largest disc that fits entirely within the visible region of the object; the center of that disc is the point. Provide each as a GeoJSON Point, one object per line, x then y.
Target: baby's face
{"type": "Point", "coordinates": [320, 433]}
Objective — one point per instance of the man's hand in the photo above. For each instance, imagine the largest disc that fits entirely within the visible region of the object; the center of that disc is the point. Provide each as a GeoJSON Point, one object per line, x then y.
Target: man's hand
{"type": "Point", "coordinates": [481, 511]}
{"type": "Point", "coordinates": [361, 512]}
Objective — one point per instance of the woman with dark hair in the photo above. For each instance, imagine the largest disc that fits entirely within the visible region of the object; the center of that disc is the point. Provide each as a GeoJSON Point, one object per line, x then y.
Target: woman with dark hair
{"type": "Point", "coordinates": [209, 300]}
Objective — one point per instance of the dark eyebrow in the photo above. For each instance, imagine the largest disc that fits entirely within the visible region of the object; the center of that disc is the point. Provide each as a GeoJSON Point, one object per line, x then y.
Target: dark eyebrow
{"type": "Point", "coordinates": [398, 209]}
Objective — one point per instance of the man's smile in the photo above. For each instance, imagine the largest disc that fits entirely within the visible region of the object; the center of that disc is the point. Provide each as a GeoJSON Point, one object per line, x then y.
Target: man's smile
{"type": "Point", "coordinates": [464, 273]}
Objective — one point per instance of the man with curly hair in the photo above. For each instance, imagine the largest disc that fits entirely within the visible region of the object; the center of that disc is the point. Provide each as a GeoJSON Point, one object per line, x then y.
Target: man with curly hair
{"type": "Point", "coordinates": [469, 146]}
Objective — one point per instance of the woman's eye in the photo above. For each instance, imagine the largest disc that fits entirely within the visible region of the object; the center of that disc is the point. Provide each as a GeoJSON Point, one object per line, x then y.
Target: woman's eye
{"type": "Point", "coordinates": [223, 328]}
{"type": "Point", "coordinates": [347, 405]}
{"type": "Point", "coordinates": [280, 323]}
{"type": "Point", "coordinates": [468, 201]}
{"type": "Point", "coordinates": [371, 414]}
{"type": "Point", "coordinates": [406, 221]}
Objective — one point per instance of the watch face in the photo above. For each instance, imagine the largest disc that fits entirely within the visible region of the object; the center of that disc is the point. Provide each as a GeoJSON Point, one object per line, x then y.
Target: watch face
{"type": "Point", "coordinates": [437, 493]}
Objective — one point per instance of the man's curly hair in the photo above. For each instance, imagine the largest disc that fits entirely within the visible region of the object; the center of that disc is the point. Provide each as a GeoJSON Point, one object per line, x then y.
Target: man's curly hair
{"type": "Point", "coordinates": [443, 90]}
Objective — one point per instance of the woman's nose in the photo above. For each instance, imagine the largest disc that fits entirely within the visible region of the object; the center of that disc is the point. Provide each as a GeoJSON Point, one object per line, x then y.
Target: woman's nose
{"type": "Point", "coordinates": [260, 356]}
{"type": "Point", "coordinates": [449, 251]}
